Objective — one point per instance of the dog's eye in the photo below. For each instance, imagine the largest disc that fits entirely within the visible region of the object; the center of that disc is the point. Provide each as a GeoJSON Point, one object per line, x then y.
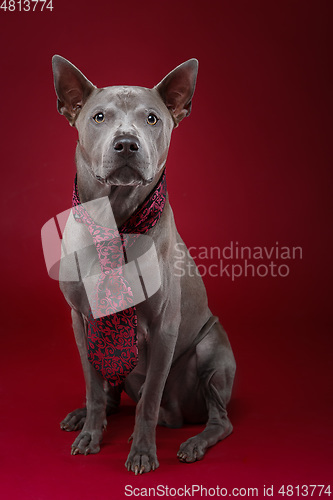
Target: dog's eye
{"type": "Point", "coordinates": [152, 119]}
{"type": "Point", "coordinates": [99, 118]}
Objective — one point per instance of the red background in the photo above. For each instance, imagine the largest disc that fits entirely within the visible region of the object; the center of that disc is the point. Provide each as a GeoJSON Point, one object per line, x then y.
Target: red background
{"type": "Point", "coordinates": [251, 164]}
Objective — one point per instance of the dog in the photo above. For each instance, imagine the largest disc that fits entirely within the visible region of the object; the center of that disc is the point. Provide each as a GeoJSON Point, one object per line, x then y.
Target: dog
{"type": "Point", "coordinates": [185, 366]}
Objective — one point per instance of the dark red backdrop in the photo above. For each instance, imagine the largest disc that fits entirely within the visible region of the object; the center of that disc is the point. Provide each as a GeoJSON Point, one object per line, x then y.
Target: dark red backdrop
{"type": "Point", "coordinates": [252, 165]}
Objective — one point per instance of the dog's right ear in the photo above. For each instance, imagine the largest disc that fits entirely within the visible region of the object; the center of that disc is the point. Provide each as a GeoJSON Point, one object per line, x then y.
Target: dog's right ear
{"type": "Point", "coordinates": [71, 86]}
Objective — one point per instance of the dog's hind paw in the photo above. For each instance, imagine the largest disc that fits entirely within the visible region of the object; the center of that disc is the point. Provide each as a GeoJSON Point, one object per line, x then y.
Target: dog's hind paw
{"type": "Point", "coordinates": [192, 450]}
{"type": "Point", "coordinates": [74, 420]}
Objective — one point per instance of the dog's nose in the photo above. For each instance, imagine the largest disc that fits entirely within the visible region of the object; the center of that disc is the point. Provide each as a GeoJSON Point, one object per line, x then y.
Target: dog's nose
{"type": "Point", "coordinates": [126, 144]}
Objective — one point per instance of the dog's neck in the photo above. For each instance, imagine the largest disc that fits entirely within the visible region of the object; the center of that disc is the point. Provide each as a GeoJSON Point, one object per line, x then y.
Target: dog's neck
{"type": "Point", "coordinates": [124, 200]}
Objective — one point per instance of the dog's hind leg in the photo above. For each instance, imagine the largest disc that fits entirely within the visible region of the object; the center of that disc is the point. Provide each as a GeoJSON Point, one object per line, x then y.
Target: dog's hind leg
{"type": "Point", "coordinates": [113, 395]}
{"type": "Point", "coordinates": [216, 369]}
{"type": "Point", "coordinates": [75, 420]}
{"type": "Point", "coordinates": [94, 421]}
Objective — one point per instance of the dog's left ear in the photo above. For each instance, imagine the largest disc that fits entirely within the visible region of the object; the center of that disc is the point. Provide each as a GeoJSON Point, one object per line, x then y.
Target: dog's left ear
{"type": "Point", "coordinates": [71, 86]}
{"type": "Point", "coordinates": [177, 89]}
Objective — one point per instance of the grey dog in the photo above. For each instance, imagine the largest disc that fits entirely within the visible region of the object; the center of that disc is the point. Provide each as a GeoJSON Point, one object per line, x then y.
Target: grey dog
{"type": "Point", "coordinates": [185, 367]}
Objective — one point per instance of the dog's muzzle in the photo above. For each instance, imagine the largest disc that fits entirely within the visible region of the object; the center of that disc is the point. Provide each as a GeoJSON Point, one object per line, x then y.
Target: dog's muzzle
{"type": "Point", "coordinates": [125, 163]}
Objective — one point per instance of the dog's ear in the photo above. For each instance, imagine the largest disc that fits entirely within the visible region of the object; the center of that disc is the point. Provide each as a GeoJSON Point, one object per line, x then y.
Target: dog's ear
{"type": "Point", "coordinates": [71, 86]}
{"type": "Point", "coordinates": [177, 89]}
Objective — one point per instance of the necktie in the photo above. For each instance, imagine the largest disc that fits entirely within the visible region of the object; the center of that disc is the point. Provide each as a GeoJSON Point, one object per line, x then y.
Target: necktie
{"type": "Point", "coordinates": [112, 338]}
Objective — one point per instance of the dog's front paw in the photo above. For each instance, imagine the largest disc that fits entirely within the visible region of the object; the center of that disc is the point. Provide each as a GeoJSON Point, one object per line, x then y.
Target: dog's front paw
{"type": "Point", "coordinates": [87, 442]}
{"type": "Point", "coordinates": [140, 462]}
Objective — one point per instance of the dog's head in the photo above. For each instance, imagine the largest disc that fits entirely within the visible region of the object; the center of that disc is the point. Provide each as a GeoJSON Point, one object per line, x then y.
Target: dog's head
{"type": "Point", "coordinates": [124, 132]}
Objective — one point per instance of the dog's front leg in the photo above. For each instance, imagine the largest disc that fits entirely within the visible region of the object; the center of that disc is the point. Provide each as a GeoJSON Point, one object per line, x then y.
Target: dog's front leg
{"type": "Point", "coordinates": [142, 457]}
{"type": "Point", "coordinates": [88, 441]}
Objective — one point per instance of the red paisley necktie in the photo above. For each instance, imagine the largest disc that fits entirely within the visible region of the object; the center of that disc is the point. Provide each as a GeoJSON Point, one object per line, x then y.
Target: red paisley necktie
{"type": "Point", "coordinates": [111, 338]}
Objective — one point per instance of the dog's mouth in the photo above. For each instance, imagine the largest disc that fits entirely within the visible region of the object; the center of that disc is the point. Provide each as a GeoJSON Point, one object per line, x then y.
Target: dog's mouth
{"type": "Point", "coordinates": [124, 176]}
